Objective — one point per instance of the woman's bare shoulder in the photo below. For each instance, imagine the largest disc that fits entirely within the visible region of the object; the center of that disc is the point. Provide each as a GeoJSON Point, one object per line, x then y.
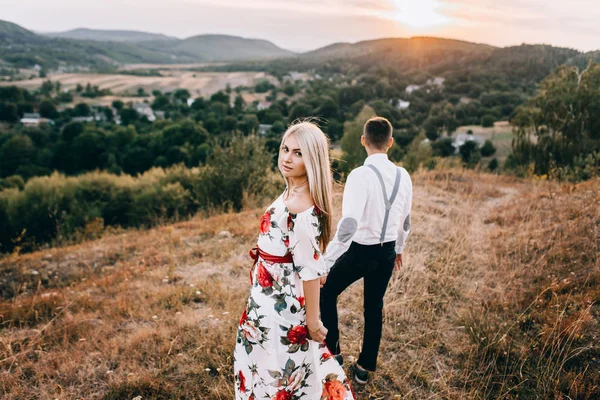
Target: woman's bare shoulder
{"type": "Point", "coordinates": [300, 204]}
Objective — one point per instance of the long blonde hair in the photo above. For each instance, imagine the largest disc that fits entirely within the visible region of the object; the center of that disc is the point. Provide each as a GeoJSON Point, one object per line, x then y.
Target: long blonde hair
{"type": "Point", "coordinates": [314, 146]}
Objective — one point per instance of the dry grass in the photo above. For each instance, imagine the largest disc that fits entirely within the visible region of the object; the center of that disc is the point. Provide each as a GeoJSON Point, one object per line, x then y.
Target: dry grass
{"type": "Point", "coordinates": [198, 83]}
{"type": "Point", "coordinates": [498, 298]}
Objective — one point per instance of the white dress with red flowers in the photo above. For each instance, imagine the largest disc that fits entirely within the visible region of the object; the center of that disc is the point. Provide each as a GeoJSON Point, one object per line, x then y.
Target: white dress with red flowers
{"type": "Point", "coordinates": [274, 358]}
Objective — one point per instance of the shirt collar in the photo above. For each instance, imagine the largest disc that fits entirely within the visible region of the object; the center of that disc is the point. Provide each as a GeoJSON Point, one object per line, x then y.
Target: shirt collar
{"type": "Point", "coordinates": [376, 158]}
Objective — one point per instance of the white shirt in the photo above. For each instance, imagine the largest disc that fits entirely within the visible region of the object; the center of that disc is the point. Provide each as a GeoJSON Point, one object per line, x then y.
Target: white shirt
{"type": "Point", "coordinates": [363, 208]}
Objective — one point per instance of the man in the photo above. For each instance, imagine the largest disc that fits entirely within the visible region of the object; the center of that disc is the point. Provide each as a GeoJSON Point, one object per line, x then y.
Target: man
{"type": "Point", "coordinates": [369, 241]}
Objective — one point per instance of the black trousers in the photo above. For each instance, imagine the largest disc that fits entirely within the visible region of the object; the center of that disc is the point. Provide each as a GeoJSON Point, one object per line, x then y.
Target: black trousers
{"type": "Point", "coordinates": [374, 263]}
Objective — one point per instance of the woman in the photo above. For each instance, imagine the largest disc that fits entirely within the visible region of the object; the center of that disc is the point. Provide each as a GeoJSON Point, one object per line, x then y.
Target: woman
{"type": "Point", "coordinates": [280, 352]}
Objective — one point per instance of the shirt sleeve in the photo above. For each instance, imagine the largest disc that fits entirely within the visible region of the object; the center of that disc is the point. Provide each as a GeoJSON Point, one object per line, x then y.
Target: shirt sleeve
{"type": "Point", "coordinates": [405, 222]}
{"type": "Point", "coordinates": [353, 206]}
{"type": "Point", "coordinates": [304, 232]}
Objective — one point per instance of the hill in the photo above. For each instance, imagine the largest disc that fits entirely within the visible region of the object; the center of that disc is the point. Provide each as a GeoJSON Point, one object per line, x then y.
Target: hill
{"type": "Point", "coordinates": [441, 56]}
{"type": "Point", "coordinates": [24, 49]}
{"type": "Point", "coordinates": [217, 48]}
{"type": "Point", "coordinates": [109, 35]}
{"type": "Point", "coordinates": [497, 298]}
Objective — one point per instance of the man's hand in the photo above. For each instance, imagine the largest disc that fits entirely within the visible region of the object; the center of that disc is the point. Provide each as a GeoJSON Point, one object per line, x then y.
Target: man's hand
{"type": "Point", "coordinates": [322, 280]}
{"type": "Point", "coordinates": [317, 332]}
{"type": "Point", "coordinates": [398, 262]}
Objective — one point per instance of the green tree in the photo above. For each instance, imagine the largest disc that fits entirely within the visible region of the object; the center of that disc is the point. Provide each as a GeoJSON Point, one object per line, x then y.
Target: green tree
{"type": "Point", "coordinates": [487, 121]}
{"type": "Point", "coordinates": [81, 110]}
{"type": "Point", "coordinates": [561, 123]}
{"type": "Point", "coordinates": [299, 111]}
{"type": "Point", "coordinates": [118, 105]}
{"type": "Point", "coordinates": [128, 116]}
{"type": "Point", "coordinates": [353, 151]}
{"type": "Point", "coordinates": [47, 109]}
{"type": "Point", "coordinates": [488, 149]}
{"type": "Point", "coordinates": [8, 112]}
{"type": "Point", "coordinates": [443, 147]}
{"type": "Point", "coordinates": [71, 130]}
{"type": "Point", "coordinates": [18, 150]}
{"type": "Point", "coordinates": [469, 152]}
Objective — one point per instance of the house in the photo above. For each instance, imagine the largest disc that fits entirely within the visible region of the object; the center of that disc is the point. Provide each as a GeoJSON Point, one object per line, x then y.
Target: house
{"type": "Point", "coordinates": [83, 119]}
{"type": "Point", "coordinates": [464, 137]}
{"type": "Point", "coordinates": [263, 105]}
{"type": "Point", "coordinates": [190, 101]}
{"type": "Point", "coordinates": [34, 119]}
{"type": "Point", "coordinates": [439, 81]}
{"type": "Point", "coordinates": [411, 88]}
{"type": "Point", "coordinates": [144, 110]}
{"type": "Point", "coordinates": [263, 129]}
{"type": "Point", "coordinates": [400, 104]}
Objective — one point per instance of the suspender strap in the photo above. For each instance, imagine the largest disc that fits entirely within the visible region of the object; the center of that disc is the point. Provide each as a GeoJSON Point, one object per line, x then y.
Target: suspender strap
{"type": "Point", "coordinates": [388, 202]}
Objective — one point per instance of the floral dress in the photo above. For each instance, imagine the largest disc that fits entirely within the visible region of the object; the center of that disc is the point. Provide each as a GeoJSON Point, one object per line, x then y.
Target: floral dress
{"type": "Point", "coordinates": [274, 358]}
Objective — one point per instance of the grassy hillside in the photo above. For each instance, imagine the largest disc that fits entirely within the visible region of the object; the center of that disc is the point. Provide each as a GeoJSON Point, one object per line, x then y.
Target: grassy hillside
{"type": "Point", "coordinates": [109, 35]}
{"type": "Point", "coordinates": [219, 48]}
{"type": "Point", "coordinates": [498, 298]}
{"type": "Point", "coordinates": [24, 49]}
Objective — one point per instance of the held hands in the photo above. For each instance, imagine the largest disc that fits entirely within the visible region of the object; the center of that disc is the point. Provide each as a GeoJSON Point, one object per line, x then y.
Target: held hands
{"type": "Point", "coordinates": [322, 281]}
{"type": "Point", "coordinates": [398, 262]}
{"type": "Point", "coordinates": [317, 332]}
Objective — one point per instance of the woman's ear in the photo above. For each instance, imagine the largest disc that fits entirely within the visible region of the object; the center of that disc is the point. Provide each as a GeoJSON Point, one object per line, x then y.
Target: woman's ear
{"type": "Point", "coordinates": [362, 140]}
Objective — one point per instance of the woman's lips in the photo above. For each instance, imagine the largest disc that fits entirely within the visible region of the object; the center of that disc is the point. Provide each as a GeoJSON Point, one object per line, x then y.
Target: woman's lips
{"type": "Point", "coordinates": [286, 168]}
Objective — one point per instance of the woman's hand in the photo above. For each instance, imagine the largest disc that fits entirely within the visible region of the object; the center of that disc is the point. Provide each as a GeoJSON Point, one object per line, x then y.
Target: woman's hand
{"type": "Point", "coordinates": [317, 332]}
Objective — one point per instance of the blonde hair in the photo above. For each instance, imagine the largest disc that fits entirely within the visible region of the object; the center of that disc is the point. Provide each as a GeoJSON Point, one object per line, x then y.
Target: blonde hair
{"type": "Point", "coordinates": [314, 146]}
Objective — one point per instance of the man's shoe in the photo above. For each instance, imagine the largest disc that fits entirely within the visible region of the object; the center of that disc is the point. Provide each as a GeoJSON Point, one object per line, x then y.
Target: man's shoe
{"type": "Point", "coordinates": [339, 359]}
{"type": "Point", "coordinates": [360, 375]}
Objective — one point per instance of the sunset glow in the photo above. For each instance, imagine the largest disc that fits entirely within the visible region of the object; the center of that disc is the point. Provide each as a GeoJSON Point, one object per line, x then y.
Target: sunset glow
{"type": "Point", "coordinates": [422, 14]}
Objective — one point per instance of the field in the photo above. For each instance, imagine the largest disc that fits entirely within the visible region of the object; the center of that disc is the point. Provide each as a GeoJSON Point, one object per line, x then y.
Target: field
{"type": "Point", "coordinates": [498, 298]}
{"type": "Point", "coordinates": [500, 134]}
{"type": "Point", "coordinates": [197, 83]}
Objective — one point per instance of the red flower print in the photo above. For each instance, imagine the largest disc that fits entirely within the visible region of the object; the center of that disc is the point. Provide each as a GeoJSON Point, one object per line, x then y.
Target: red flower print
{"type": "Point", "coordinates": [286, 241]}
{"type": "Point", "coordinates": [244, 317]}
{"type": "Point", "coordinates": [283, 395]}
{"type": "Point", "coordinates": [325, 356]}
{"type": "Point", "coordinates": [301, 301]}
{"type": "Point", "coordinates": [242, 382]}
{"type": "Point", "coordinates": [265, 223]}
{"type": "Point", "coordinates": [317, 211]}
{"type": "Point", "coordinates": [264, 277]}
{"type": "Point", "coordinates": [316, 255]}
{"type": "Point", "coordinates": [290, 222]}
{"type": "Point", "coordinates": [298, 335]}
{"type": "Point", "coordinates": [334, 390]}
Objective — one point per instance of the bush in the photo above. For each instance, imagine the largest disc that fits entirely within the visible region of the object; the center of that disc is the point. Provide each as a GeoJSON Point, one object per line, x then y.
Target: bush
{"type": "Point", "coordinates": [443, 147]}
{"type": "Point", "coordinates": [60, 207]}
{"type": "Point", "coordinates": [488, 149]}
{"type": "Point", "coordinates": [487, 121]}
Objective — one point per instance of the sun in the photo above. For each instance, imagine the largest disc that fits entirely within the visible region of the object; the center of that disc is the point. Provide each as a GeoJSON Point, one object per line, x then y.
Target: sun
{"type": "Point", "coordinates": [420, 14]}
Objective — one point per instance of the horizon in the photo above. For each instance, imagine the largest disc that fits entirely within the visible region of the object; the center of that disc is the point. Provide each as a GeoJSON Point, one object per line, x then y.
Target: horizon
{"type": "Point", "coordinates": [514, 23]}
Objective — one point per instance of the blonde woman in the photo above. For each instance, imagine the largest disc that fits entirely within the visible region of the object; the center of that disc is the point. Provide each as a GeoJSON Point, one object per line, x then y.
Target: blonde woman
{"type": "Point", "coordinates": [279, 351]}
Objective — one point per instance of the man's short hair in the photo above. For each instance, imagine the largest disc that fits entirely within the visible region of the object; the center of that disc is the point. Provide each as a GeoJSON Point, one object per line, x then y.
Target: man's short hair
{"type": "Point", "coordinates": [378, 132]}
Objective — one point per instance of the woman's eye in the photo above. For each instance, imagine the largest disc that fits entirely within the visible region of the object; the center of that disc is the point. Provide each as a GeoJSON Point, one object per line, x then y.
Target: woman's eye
{"type": "Point", "coordinates": [299, 154]}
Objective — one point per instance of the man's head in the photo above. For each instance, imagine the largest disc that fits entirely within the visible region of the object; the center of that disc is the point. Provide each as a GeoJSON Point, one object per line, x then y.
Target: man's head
{"type": "Point", "coordinates": [377, 134]}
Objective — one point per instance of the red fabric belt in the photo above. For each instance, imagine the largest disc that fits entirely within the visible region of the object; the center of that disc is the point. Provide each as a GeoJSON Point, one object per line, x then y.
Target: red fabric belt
{"type": "Point", "coordinates": [256, 252]}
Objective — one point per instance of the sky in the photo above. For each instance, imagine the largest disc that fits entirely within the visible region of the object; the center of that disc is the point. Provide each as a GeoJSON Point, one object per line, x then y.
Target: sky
{"type": "Point", "coordinates": [302, 25]}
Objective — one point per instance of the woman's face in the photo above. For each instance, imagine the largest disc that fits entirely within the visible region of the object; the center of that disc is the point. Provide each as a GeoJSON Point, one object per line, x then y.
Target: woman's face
{"type": "Point", "coordinates": [290, 159]}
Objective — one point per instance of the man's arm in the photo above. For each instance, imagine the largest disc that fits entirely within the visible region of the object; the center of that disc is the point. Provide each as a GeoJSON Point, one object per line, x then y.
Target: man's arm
{"type": "Point", "coordinates": [353, 206]}
{"type": "Point", "coordinates": [405, 224]}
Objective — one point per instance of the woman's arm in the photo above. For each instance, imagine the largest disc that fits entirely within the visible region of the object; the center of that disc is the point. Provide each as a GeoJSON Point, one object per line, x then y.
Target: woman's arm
{"type": "Point", "coordinates": [311, 297]}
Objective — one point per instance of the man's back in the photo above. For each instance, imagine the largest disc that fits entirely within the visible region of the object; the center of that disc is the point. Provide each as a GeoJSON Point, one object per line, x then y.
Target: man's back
{"type": "Point", "coordinates": [363, 208]}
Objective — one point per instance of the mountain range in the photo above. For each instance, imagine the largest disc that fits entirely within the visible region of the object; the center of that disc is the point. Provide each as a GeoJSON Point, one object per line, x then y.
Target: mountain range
{"type": "Point", "coordinates": [106, 49]}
